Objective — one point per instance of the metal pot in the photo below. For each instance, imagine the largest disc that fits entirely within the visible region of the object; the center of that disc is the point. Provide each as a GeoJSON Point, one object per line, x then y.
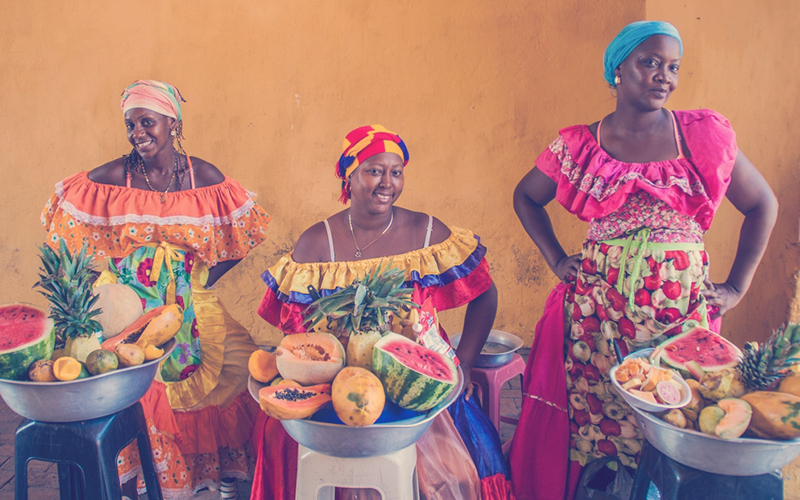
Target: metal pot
{"type": "Point", "coordinates": [498, 350]}
{"type": "Point", "coordinates": [350, 442]}
{"type": "Point", "coordinates": [82, 399]}
{"type": "Point", "coordinates": [733, 457]}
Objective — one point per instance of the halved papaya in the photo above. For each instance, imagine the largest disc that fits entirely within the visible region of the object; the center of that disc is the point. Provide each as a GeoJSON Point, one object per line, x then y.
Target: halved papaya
{"type": "Point", "coordinates": [288, 402]}
{"type": "Point", "coordinates": [154, 327]}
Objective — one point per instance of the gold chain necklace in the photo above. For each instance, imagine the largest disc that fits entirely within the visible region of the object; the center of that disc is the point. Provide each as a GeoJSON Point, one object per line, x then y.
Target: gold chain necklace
{"type": "Point", "coordinates": [164, 194]}
{"type": "Point", "coordinates": [359, 250]}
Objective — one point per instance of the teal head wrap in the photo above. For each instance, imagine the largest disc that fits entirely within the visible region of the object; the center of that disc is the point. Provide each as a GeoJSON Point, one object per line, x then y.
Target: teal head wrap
{"type": "Point", "coordinates": [629, 38]}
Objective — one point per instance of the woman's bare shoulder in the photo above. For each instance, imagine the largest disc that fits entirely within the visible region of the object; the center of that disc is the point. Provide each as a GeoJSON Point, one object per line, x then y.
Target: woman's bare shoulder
{"type": "Point", "coordinates": [112, 173]}
{"type": "Point", "coordinates": [312, 245]}
{"type": "Point", "coordinates": [439, 232]}
{"type": "Point", "coordinates": [205, 173]}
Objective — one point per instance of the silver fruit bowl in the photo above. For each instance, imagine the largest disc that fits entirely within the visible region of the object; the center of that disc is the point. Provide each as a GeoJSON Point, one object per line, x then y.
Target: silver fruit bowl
{"type": "Point", "coordinates": [82, 399]}
{"type": "Point", "coordinates": [338, 440]}
{"type": "Point", "coordinates": [498, 350]}
{"type": "Point", "coordinates": [732, 457]}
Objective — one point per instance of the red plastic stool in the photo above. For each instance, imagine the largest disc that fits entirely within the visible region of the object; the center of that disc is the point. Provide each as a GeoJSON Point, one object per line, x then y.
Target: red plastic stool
{"type": "Point", "coordinates": [489, 382]}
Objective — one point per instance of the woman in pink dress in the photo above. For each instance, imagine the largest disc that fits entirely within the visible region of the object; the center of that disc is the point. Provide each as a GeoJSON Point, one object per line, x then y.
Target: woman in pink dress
{"type": "Point", "coordinates": [648, 181]}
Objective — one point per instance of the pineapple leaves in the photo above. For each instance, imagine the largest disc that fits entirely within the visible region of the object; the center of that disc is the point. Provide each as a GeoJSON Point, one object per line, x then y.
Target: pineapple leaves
{"type": "Point", "coordinates": [365, 304]}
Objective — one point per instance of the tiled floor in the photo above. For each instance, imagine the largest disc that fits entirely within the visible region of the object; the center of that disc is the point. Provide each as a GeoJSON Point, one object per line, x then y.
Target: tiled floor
{"type": "Point", "coordinates": [43, 476]}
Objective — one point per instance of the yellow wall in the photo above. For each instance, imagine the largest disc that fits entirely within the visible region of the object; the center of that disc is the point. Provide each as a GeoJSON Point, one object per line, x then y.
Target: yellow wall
{"type": "Point", "coordinates": [476, 91]}
{"type": "Point", "coordinates": [476, 88]}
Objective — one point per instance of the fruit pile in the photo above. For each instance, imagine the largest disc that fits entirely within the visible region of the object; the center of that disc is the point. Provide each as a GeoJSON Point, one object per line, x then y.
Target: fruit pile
{"type": "Point", "coordinates": [735, 394]}
{"type": "Point", "coordinates": [649, 383]}
{"type": "Point", "coordinates": [309, 371]}
{"type": "Point", "coordinates": [78, 317]}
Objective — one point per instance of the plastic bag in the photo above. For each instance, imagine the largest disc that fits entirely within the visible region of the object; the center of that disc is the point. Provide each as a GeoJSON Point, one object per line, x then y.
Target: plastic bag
{"type": "Point", "coordinates": [618, 489]}
{"type": "Point", "coordinates": [483, 442]}
{"type": "Point", "coordinates": [444, 467]}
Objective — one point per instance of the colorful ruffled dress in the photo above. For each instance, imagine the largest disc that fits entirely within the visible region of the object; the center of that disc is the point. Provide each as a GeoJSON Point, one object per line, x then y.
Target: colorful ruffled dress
{"type": "Point", "coordinates": [642, 269]}
{"type": "Point", "coordinates": [163, 250]}
{"type": "Point", "coordinates": [452, 273]}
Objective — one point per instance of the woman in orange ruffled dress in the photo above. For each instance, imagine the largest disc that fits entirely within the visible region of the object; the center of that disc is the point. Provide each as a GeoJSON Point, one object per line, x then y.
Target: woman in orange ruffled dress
{"type": "Point", "coordinates": [171, 225]}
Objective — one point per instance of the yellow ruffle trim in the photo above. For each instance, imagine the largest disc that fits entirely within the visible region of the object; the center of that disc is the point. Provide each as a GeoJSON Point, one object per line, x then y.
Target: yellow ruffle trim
{"type": "Point", "coordinates": [429, 261]}
{"type": "Point", "coordinates": [212, 331]}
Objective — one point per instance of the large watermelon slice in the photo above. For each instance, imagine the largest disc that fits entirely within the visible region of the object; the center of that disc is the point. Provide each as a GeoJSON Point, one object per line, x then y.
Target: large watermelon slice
{"type": "Point", "coordinates": [706, 348]}
{"type": "Point", "coordinates": [414, 377]}
{"type": "Point", "coordinates": [27, 334]}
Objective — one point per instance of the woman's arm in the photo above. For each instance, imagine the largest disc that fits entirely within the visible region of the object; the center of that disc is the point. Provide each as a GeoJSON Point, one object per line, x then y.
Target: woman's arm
{"type": "Point", "coordinates": [478, 322]}
{"type": "Point", "coordinates": [533, 192]}
{"type": "Point", "coordinates": [216, 272]}
{"type": "Point", "coordinates": [752, 196]}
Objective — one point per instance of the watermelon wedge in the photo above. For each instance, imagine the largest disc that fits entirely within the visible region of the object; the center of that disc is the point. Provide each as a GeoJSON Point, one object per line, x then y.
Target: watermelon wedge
{"type": "Point", "coordinates": [701, 346]}
{"type": "Point", "coordinates": [414, 377]}
{"type": "Point", "coordinates": [27, 334]}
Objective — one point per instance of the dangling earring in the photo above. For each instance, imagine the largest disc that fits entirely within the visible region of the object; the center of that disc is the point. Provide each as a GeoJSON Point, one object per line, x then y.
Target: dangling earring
{"type": "Point", "coordinates": [617, 80]}
{"type": "Point", "coordinates": [173, 132]}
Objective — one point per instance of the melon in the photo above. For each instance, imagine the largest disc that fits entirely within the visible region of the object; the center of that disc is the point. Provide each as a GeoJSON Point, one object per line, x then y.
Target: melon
{"type": "Point", "coordinates": [728, 419]}
{"type": "Point", "coordinates": [708, 350]}
{"type": "Point", "coordinates": [27, 334]}
{"type": "Point", "coordinates": [357, 396]}
{"type": "Point", "coordinates": [414, 377]}
{"type": "Point", "coordinates": [120, 306]}
{"type": "Point", "coordinates": [310, 358]}
{"type": "Point", "coordinates": [288, 403]}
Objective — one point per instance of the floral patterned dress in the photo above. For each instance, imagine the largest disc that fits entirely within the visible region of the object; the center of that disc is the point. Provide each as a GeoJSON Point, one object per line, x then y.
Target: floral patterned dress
{"type": "Point", "coordinates": [642, 269]}
{"type": "Point", "coordinates": [198, 415]}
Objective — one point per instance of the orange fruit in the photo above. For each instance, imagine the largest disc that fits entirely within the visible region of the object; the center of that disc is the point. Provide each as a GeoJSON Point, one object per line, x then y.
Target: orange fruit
{"type": "Point", "coordinates": [152, 352]}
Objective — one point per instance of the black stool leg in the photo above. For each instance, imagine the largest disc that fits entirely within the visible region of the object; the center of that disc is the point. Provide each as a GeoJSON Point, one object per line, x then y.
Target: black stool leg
{"type": "Point", "coordinates": [148, 468]}
{"type": "Point", "coordinates": [20, 476]}
{"type": "Point", "coordinates": [70, 482]}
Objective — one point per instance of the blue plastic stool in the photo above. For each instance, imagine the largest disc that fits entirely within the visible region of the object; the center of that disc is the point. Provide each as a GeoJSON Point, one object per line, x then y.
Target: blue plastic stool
{"type": "Point", "coordinates": [86, 453]}
{"type": "Point", "coordinates": [675, 481]}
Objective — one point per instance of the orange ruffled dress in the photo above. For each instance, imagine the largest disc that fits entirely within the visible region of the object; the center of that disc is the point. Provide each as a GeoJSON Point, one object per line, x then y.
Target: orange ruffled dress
{"type": "Point", "coordinates": [198, 411]}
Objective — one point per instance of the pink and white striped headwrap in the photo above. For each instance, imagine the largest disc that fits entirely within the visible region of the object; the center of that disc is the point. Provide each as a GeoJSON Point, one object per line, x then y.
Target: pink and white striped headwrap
{"type": "Point", "coordinates": [160, 97]}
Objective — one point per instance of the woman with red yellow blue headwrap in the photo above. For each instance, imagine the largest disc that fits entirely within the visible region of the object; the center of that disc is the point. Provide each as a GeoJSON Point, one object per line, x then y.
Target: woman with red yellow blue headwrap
{"type": "Point", "coordinates": [445, 264]}
{"type": "Point", "coordinates": [170, 226]}
{"type": "Point", "coordinates": [648, 181]}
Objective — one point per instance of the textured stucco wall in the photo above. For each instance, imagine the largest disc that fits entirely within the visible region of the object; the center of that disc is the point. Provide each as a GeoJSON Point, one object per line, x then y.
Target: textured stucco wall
{"type": "Point", "coordinates": [475, 88]}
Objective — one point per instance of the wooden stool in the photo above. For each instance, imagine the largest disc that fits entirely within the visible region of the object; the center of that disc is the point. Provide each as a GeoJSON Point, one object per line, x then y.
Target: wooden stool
{"type": "Point", "coordinates": [490, 382]}
{"type": "Point", "coordinates": [89, 447]}
{"type": "Point", "coordinates": [675, 481]}
{"type": "Point", "coordinates": [394, 476]}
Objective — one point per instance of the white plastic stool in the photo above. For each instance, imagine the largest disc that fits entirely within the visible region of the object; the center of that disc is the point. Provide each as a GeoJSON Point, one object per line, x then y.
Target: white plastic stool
{"type": "Point", "coordinates": [394, 476]}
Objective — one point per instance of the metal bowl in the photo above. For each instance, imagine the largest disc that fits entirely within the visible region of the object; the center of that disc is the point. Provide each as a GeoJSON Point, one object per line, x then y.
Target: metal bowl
{"type": "Point", "coordinates": [733, 457]}
{"type": "Point", "coordinates": [498, 350]}
{"type": "Point", "coordinates": [82, 399]}
{"type": "Point", "coordinates": [339, 440]}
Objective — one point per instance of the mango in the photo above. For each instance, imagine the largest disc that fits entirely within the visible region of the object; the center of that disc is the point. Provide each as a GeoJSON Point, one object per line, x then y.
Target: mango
{"type": "Point", "coordinates": [101, 361]}
{"type": "Point", "coordinates": [152, 352]}
{"type": "Point", "coordinates": [42, 371]}
{"type": "Point", "coordinates": [66, 368]}
{"type": "Point", "coordinates": [129, 354]}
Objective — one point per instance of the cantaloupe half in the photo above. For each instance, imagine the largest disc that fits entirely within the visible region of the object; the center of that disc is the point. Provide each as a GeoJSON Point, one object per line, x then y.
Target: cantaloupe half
{"type": "Point", "coordinates": [728, 419]}
{"type": "Point", "coordinates": [310, 358]}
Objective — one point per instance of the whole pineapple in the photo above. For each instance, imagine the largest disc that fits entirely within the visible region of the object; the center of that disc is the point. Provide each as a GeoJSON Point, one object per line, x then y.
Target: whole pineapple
{"type": "Point", "coordinates": [363, 310]}
{"type": "Point", "coordinates": [763, 365]}
{"type": "Point", "coordinates": [66, 281]}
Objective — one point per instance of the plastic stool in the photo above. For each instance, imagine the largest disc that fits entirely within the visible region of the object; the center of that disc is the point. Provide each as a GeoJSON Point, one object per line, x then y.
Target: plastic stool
{"type": "Point", "coordinates": [490, 385]}
{"type": "Point", "coordinates": [86, 454]}
{"type": "Point", "coordinates": [394, 476]}
{"type": "Point", "coordinates": [676, 481]}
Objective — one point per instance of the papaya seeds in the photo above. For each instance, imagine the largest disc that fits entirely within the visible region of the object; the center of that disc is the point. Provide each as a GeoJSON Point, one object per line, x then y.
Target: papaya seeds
{"type": "Point", "coordinates": [101, 361]}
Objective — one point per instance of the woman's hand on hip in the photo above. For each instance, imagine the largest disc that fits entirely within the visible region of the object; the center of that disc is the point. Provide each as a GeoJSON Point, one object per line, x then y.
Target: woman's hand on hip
{"type": "Point", "coordinates": [722, 295]}
{"type": "Point", "coordinates": [567, 268]}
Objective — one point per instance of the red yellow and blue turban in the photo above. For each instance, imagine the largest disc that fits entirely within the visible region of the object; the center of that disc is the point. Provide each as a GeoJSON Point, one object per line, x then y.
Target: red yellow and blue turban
{"type": "Point", "coordinates": [363, 143]}
{"type": "Point", "coordinates": [160, 97]}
